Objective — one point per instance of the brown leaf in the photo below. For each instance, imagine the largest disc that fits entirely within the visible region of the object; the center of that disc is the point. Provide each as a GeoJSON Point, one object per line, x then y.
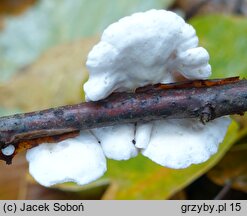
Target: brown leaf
{"type": "Point", "coordinates": [15, 7]}
{"type": "Point", "coordinates": [233, 168]}
{"type": "Point", "coordinates": [45, 83]}
{"type": "Point", "coordinates": [13, 179]}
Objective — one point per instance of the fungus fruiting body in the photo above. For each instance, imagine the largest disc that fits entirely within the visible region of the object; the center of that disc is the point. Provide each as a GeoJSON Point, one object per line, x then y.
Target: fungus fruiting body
{"type": "Point", "coordinates": [146, 48]}
{"type": "Point", "coordinates": [152, 47]}
{"type": "Point", "coordinates": [80, 160]}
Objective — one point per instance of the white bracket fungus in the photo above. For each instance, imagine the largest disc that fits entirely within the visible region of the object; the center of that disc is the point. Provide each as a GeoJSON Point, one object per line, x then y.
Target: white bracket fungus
{"type": "Point", "coordinates": [149, 48]}
{"type": "Point", "coordinates": [156, 46]}
{"type": "Point", "coordinates": [145, 48]}
{"type": "Point", "coordinates": [117, 141]}
{"type": "Point", "coordinates": [79, 160]}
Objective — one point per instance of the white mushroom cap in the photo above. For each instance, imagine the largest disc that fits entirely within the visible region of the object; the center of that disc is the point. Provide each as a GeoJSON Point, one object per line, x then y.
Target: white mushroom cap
{"type": "Point", "coordinates": [79, 160]}
{"type": "Point", "coordinates": [143, 134]}
{"type": "Point", "coordinates": [178, 143]}
{"type": "Point", "coordinates": [117, 141]}
{"type": "Point", "coordinates": [144, 48]}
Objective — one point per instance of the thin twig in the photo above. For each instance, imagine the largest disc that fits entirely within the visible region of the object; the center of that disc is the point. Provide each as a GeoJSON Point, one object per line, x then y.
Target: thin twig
{"type": "Point", "coordinates": [206, 100]}
{"type": "Point", "coordinates": [223, 192]}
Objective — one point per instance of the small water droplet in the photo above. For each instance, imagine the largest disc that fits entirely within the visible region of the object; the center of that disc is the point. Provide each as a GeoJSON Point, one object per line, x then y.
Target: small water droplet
{"type": "Point", "coordinates": [9, 150]}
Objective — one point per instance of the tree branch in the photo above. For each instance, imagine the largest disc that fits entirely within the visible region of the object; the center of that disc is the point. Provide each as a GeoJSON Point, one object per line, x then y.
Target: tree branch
{"type": "Point", "coordinates": [206, 100]}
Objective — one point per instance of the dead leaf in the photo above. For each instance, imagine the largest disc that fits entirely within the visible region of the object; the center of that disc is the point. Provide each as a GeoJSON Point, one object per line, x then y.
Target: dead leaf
{"type": "Point", "coordinates": [232, 168]}
{"type": "Point", "coordinates": [14, 7]}
{"type": "Point", "coordinates": [13, 179]}
{"type": "Point", "coordinates": [55, 79]}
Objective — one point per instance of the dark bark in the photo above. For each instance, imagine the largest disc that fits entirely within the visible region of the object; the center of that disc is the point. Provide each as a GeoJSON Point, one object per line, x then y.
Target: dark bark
{"type": "Point", "coordinates": [205, 100]}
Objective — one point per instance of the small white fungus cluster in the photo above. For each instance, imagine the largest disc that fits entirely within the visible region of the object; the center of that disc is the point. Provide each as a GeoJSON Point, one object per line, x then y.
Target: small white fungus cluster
{"type": "Point", "coordinates": [156, 46]}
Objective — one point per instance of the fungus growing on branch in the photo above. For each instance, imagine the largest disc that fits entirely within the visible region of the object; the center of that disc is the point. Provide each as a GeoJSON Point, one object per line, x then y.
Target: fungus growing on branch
{"type": "Point", "coordinates": [145, 48]}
